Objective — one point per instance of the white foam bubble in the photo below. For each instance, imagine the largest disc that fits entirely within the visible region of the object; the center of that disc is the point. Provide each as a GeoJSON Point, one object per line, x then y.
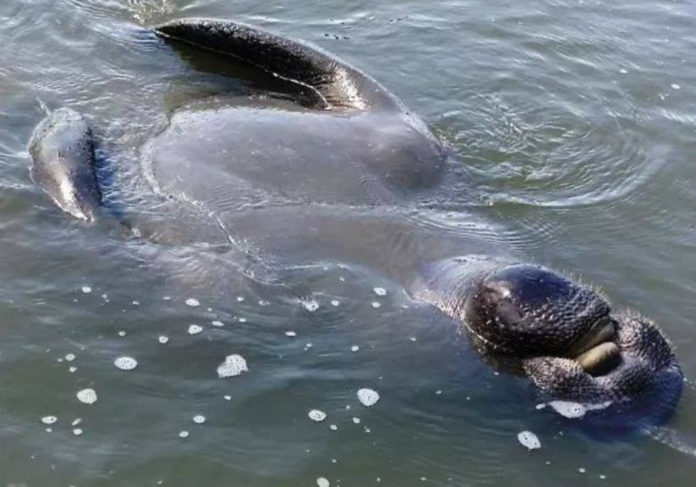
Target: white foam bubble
{"type": "Point", "coordinates": [70, 357]}
{"type": "Point", "coordinates": [368, 397]}
{"type": "Point", "coordinates": [573, 410]}
{"type": "Point", "coordinates": [217, 323]}
{"type": "Point", "coordinates": [193, 302]}
{"type": "Point", "coordinates": [323, 482]}
{"type": "Point", "coordinates": [529, 440]}
{"type": "Point", "coordinates": [76, 421]}
{"type": "Point", "coordinates": [376, 304]}
{"type": "Point", "coordinates": [242, 320]}
{"type": "Point", "coordinates": [163, 339]}
{"type": "Point", "coordinates": [232, 366]}
{"type": "Point", "coordinates": [356, 420]}
{"type": "Point", "coordinates": [199, 419]}
{"type": "Point", "coordinates": [86, 289]}
{"type": "Point", "coordinates": [675, 86]}
{"type": "Point", "coordinates": [335, 302]}
{"type": "Point", "coordinates": [568, 409]}
{"type": "Point", "coordinates": [77, 431]}
{"type": "Point", "coordinates": [136, 303]}
{"type": "Point", "coordinates": [183, 434]}
{"type": "Point", "coordinates": [126, 363]}
{"type": "Point", "coordinates": [72, 369]}
{"type": "Point", "coordinates": [333, 427]}
{"type": "Point", "coordinates": [354, 348]}
{"type": "Point", "coordinates": [87, 396]}
{"type": "Point", "coordinates": [121, 333]}
{"type": "Point", "coordinates": [309, 304]}
{"type": "Point", "coordinates": [316, 415]}
{"type": "Point", "coordinates": [194, 329]}
{"type": "Point", "coordinates": [380, 291]}
{"type": "Point", "coordinates": [49, 419]}
{"type": "Point", "coordinates": [291, 334]}
{"type": "Point", "coordinates": [228, 398]}
{"type": "Point", "coordinates": [240, 299]}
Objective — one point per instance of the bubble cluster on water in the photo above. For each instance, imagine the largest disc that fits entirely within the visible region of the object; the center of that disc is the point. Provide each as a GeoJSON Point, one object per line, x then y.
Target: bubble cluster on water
{"type": "Point", "coordinates": [310, 305]}
{"type": "Point", "coordinates": [368, 397]}
{"type": "Point", "coordinates": [86, 289]}
{"type": "Point", "coordinates": [193, 302]}
{"type": "Point", "coordinates": [126, 363]}
{"type": "Point", "coordinates": [529, 440]}
{"type": "Point", "coordinates": [87, 396]}
{"type": "Point", "coordinates": [163, 339]}
{"type": "Point", "coordinates": [199, 419]}
{"type": "Point", "coordinates": [380, 291]}
{"type": "Point", "coordinates": [573, 410]}
{"type": "Point", "coordinates": [194, 329]}
{"type": "Point", "coordinates": [232, 366]}
{"type": "Point", "coordinates": [317, 415]}
{"type": "Point", "coordinates": [49, 419]}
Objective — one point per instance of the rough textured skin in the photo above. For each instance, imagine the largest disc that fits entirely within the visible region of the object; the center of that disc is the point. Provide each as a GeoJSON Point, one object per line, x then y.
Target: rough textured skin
{"type": "Point", "coordinates": [63, 154]}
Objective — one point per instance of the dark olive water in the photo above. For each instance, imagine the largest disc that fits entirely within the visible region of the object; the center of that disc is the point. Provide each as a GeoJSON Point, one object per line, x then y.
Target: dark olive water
{"type": "Point", "coordinates": [574, 125]}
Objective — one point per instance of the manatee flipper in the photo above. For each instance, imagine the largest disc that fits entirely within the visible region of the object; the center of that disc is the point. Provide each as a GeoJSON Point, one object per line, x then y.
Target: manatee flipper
{"type": "Point", "coordinates": [62, 151]}
{"type": "Point", "coordinates": [337, 85]}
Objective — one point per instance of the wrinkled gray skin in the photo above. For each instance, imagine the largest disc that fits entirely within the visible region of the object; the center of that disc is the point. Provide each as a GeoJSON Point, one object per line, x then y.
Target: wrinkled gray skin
{"type": "Point", "coordinates": [249, 172]}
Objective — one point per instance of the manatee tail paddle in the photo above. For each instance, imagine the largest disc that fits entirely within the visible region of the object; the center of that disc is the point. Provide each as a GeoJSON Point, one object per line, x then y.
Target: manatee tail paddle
{"type": "Point", "coordinates": [62, 151]}
{"type": "Point", "coordinates": [336, 84]}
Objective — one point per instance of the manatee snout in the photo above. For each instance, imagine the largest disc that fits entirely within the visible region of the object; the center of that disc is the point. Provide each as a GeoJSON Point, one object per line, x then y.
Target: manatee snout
{"type": "Point", "coordinates": [570, 341]}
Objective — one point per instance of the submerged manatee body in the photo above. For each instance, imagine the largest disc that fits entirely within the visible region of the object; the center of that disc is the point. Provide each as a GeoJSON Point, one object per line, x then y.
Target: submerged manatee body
{"type": "Point", "coordinates": [249, 173]}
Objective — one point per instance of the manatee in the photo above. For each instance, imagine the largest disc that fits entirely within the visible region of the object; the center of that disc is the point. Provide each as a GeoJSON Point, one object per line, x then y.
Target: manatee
{"type": "Point", "coordinates": [306, 179]}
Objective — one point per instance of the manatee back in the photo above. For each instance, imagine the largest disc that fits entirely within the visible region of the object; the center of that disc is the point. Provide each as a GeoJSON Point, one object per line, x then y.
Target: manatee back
{"type": "Point", "coordinates": [62, 152]}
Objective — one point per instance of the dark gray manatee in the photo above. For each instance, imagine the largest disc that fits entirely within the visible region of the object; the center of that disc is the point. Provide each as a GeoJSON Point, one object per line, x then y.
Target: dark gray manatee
{"type": "Point", "coordinates": [317, 171]}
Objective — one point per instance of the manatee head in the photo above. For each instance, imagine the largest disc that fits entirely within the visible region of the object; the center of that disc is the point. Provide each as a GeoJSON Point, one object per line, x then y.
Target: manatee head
{"type": "Point", "coordinates": [573, 345]}
{"type": "Point", "coordinates": [569, 340]}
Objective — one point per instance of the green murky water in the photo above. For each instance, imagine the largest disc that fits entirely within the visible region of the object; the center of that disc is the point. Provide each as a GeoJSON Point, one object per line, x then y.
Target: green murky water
{"type": "Point", "coordinates": [574, 128]}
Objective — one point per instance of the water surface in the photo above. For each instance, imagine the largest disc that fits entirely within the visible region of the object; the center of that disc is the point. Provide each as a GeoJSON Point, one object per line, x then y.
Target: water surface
{"type": "Point", "coordinates": [573, 125]}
